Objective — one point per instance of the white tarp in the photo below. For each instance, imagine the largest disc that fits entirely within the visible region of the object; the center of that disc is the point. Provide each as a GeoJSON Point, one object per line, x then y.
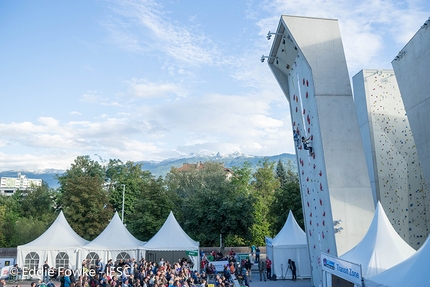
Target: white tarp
{"type": "Point", "coordinates": [115, 242]}
{"type": "Point", "coordinates": [59, 237]}
{"type": "Point", "coordinates": [289, 243]}
{"type": "Point", "coordinates": [381, 248]}
{"type": "Point", "coordinates": [412, 272]}
{"type": "Point", "coordinates": [171, 237]}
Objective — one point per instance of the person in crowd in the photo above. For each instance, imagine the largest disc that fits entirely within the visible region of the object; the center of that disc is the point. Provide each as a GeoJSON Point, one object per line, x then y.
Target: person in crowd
{"type": "Point", "coordinates": [252, 251]}
{"type": "Point", "coordinates": [247, 280]}
{"type": "Point", "coordinates": [99, 267]}
{"type": "Point", "coordinates": [257, 254]}
{"type": "Point", "coordinates": [262, 267]}
{"type": "Point", "coordinates": [45, 277]}
{"type": "Point", "coordinates": [248, 266]}
{"type": "Point", "coordinates": [269, 268]}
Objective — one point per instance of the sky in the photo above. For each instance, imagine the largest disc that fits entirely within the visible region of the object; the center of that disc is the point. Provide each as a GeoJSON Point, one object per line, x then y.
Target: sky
{"type": "Point", "coordinates": [149, 80]}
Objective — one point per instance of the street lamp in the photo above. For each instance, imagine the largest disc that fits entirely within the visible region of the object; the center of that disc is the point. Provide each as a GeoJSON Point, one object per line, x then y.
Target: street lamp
{"type": "Point", "coordinates": [123, 193]}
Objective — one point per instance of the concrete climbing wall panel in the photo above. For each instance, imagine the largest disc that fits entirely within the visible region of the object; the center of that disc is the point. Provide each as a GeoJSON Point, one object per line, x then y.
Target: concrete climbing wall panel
{"type": "Point", "coordinates": [393, 163]}
{"type": "Point", "coordinates": [308, 62]}
{"type": "Point", "coordinates": [412, 69]}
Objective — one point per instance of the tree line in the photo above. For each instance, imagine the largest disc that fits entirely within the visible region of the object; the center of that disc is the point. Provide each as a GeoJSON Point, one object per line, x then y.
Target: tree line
{"type": "Point", "coordinates": [209, 202]}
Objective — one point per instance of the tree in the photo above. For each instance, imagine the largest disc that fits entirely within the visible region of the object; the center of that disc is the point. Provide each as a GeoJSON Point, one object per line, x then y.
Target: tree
{"type": "Point", "coordinates": [287, 198]}
{"type": "Point", "coordinates": [264, 186]}
{"type": "Point", "coordinates": [151, 209]}
{"type": "Point", "coordinates": [83, 198]}
{"type": "Point", "coordinates": [129, 178]}
{"type": "Point", "coordinates": [211, 204]}
{"type": "Point", "coordinates": [39, 204]}
{"type": "Point", "coordinates": [281, 174]}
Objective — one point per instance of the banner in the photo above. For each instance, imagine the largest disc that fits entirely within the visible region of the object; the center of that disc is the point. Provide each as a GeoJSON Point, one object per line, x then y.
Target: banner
{"type": "Point", "coordinates": [192, 253]}
{"type": "Point", "coordinates": [341, 268]}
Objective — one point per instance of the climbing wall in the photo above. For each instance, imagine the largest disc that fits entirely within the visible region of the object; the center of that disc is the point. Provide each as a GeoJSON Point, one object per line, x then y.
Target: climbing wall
{"type": "Point", "coordinates": [396, 173]}
{"type": "Point", "coordinates": [311, 167]}
{"type": "Point", "coordinates": [412, 69]}
{"type": "Point", "coordinates": [308, 62]}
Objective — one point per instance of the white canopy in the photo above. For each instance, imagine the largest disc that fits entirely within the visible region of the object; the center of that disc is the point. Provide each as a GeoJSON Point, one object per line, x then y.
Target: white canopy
{"type": "Point", "coordinates": [170, 238]}
{"type": "Point", "coordinates": [115, 242]}
{"type": "Point", "coordinates": [58, 238]}
{"type": "Point", "coordinates": [409, 273]}
{"type": "Point", "coordinates": [381, 248]}
{"type": "Point", "coordinates": [289, 243]}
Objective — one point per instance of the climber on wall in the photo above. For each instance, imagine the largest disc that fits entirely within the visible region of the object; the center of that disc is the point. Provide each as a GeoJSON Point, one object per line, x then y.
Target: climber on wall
{"type": "Point", "coordinates": [296, 137]}
{"type": "Point", "coordinates": [306, 146]}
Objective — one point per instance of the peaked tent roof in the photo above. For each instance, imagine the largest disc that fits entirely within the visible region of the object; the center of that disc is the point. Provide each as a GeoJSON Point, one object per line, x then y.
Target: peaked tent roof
{"type": "Point", "coordinates": [171, 237]}
{"type": "Point", "coordinates": [115, 237]}
{"type": "Point", "coordinates": [58, 235]}
{"type": "Point", "coordinates": [381, 248]}
{"type": "Point", "coordinates": [290, 234]}
{"type": "Point", "coordinates": [409, 273]}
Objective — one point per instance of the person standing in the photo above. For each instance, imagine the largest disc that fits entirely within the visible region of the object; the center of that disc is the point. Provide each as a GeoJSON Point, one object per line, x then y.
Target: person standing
{"type": "Point", "coordinates": [257, 254]}
{"type": "Point", "coordinates": [292, 266]}
{"type": "Point", "coordinates": [252, 251]}
{"type": "Point", "coordinates": [248, 266]}
{"type": "Point", "coordinates": [247, 280]}
{"type": "Point", "coordinates": [45, 272]}
{"type": "Point", "coordinates": [269, 268]}
{"type": "Point", "coordinates": [262, 268]}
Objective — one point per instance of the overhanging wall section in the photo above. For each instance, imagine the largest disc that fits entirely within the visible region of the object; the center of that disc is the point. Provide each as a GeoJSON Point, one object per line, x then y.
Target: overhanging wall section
{"type": "Point", "coordinates": [334, 182]}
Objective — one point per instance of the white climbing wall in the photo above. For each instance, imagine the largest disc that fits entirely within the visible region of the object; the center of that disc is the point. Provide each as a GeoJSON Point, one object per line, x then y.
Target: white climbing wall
{"type": "Point", "coordinates": [308, 61]}
{"type": "Point", "coordinates": [412, 69]}
{"type": "Point", "coordinates": [391, 155]}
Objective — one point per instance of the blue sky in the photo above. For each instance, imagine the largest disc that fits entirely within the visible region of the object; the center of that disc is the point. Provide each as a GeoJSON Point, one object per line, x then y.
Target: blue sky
{"type": "Point", "coordinates": [150, 80]}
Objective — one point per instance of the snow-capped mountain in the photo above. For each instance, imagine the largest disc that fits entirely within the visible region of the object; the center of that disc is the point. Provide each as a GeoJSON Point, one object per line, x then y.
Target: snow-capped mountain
{"type": "Point", "coordinates": [161, 168]}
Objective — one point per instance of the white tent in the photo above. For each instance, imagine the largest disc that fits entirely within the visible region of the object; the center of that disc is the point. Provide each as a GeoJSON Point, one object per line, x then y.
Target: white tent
{"type": "Point", "coordinates": [381, 248]}
{"type": "Point", "coordinates": [58, 244]}
{"type": "Point", "coordinates": [412, 272]}
{"type": "Point", "coordinates": [115, 242]}
{"type": "Point", "coordinates": [289, 243]}
{"type": "Point", "coordinates": [170, 238]}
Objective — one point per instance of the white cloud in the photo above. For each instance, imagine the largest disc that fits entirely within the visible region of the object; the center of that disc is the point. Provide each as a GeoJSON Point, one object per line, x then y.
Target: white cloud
{"type": "Point", "coordinates": [144, 89]}
{"type": "Point", "coordinates": [92, 97]}
{"type": "Point", "coordinates": [149, 18]}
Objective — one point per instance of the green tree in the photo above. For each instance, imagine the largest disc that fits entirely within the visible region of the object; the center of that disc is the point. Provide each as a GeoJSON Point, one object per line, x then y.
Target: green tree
{"type": "Point", "coordinates": [130, 179]}
{"type": "Point", "coordinates": [211, 205]}
{"type": "Point", "coordinates": [83, 198]}
{"type": "Point", "coordinates": [151, 209]}
{"type": "Point", "coordinates": [264, 186]}
{"type": "Point", "coordinates": [287, 198]}
{"type": "Point", "coordinates": [39, 204]}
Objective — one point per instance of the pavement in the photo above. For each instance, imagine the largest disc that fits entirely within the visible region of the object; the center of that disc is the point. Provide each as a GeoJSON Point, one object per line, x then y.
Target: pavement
{"type": "Point", "coordinates": [278, 283]}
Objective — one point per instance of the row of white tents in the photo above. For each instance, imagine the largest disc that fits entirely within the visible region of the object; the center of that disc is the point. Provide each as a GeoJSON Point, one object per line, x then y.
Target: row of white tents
{"type": "Point", "coordinates": [386, 259]}
{"type": "Point", "coordinates": [61, 246]}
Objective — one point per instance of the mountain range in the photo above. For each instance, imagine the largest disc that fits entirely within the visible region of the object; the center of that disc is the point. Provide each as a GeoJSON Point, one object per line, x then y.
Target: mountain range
{"type": "Point", "coordinates": [161, 168]}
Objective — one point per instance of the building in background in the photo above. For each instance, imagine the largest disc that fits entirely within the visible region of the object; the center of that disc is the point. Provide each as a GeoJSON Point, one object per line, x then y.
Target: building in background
{"type": "Point", "coordinates": [395, 173]}
{"type": "Point", "coordinates": [308, 61]}
{"type": "Point", "coordinates": [8, 185]}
